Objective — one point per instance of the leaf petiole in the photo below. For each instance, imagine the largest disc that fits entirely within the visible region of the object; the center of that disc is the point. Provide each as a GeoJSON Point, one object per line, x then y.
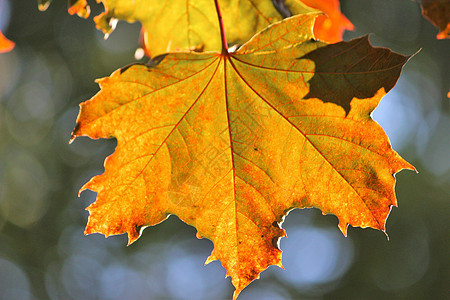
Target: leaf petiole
{"type": "Point", "coordinates": [222, 29]}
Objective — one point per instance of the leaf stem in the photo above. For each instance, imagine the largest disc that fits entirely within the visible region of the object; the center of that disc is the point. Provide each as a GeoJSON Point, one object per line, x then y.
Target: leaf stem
{"type": "Point", "coordinates": [222, 29]}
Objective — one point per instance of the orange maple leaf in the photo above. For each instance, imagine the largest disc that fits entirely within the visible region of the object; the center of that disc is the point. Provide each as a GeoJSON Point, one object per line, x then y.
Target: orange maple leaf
{"type": "Point", "coordinates": [231, 142]}
{"type": "Point", "coordinates": [5, 44]}
{"type": "Point", "coordinates": [330, 27]}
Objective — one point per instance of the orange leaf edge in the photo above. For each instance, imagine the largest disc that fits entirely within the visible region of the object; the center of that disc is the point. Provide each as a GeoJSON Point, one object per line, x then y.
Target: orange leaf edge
{"type": "Point", "coordinates": [5, 44]}
{"type": "Point", "coordinates": [79, 7]}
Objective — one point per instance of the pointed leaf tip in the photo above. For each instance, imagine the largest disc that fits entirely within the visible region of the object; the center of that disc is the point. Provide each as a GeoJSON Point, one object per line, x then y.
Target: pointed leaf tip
{"type": "Point", "coordinates": [343, 226]}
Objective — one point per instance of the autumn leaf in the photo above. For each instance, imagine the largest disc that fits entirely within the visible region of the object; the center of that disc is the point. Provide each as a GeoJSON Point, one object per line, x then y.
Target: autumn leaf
{"type": "Point", "coordinates": [5, 44]}
{"type": "Point", "coordinates": [231, 142]}
{"type": "Point", "coordinates": [330, 27]}
{"type": "Point", "coordinates": [191, 25]}
{"type": "Point", "coordinates": [173, 26]}
{"type": "Point", "coordinates": [438, 13]}
{"type": "Point", "coordinates": [79, 7]}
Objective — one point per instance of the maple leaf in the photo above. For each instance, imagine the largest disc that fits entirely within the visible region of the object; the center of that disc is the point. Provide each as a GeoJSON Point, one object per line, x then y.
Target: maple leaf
{"type": "Point", "coordinates": [231, 142]}
{"type": "Point", "coordinates": [330, 27]}
{"type": "Point", "coordinates": [5, 44]}
{"type": "Point", "coordinates": [438, 13]}
{"type": "Point", "coordinates": [191, 24]}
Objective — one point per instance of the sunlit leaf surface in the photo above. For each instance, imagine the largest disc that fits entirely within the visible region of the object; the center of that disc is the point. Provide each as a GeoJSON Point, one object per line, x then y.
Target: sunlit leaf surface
{"type": "Point", "coordinates": [180, 25]}
{"type": "Point", "coordinates": [231, 142]}
{"type": "Point", "coordinates": [330, 27]}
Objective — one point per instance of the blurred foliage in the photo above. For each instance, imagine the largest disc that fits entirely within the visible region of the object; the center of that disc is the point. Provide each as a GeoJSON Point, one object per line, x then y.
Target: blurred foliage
{"type": "Point", "coordinates": [44, 255]}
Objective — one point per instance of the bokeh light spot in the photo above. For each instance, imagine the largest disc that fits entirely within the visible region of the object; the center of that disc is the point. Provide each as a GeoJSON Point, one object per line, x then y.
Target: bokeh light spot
{"type": "Point", "coordinates": [315, 256]}
{"type": "Point", "coordinates": [14, 284]}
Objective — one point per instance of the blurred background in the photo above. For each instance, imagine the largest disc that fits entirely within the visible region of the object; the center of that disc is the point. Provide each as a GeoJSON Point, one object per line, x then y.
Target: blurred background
{"type": "Point", "coordinates": [44, 254]}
